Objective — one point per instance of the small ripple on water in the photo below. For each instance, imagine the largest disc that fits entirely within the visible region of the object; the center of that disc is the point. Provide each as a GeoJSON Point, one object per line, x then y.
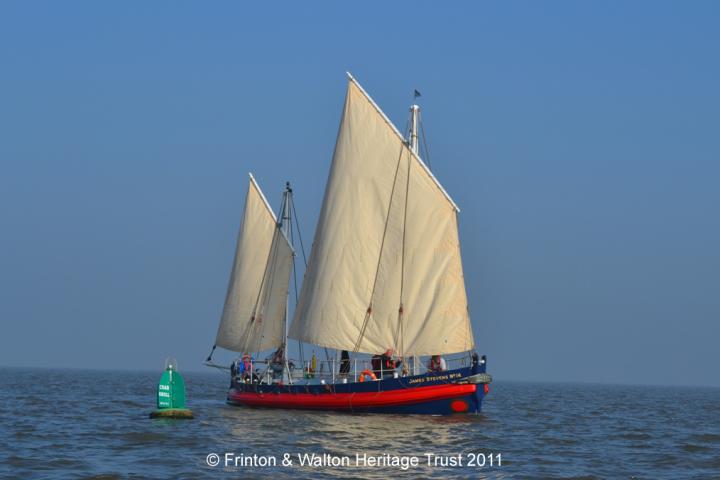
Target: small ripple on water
{"type": "Point", "coordinates": [690, 448]}
{"type": "Point", "coordinates": [16, 461]}
{"type": "Point", "coordinates": [560, 441]}
{"type": "Point", "coordinates": [141, 438]}
{"type": "Point", "coordinates": [631, 436]}
{"type": "Point", "coordinates": [581, 477]}
{"type": "Point", "coordinates": [711, 464]}
{"type": "Point", "coordinates": [705, 438]}
{"type": "Point", "coordinates": [108, 476]}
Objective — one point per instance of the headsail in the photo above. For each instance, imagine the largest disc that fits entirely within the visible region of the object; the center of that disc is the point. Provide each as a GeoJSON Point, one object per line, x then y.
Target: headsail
{"type": "Point", "coordinates": [253, 318]}
{"type": "Point", "coordinates": [385, 268]}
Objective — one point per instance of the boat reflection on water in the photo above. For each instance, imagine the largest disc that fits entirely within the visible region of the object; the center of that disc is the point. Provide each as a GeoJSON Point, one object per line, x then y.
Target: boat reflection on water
{"type": "Point", "coordinates": [276, 432]}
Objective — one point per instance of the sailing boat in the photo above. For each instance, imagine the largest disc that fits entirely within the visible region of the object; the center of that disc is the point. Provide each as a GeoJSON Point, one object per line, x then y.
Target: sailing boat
{"type": "Point", "coordinates": [384, 274]}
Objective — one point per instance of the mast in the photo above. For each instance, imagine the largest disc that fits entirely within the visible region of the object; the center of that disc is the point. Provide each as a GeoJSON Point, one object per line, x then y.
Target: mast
{"type": "Point", "coordinates": [413, 135]}
{"type": "Point", "coordinates": [413, 144]}
{"type": "Point", "coordinates": [284, 226]}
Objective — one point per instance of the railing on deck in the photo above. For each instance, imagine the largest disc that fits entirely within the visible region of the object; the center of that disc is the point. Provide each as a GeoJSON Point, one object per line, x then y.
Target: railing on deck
{"type": "Point", "coordinates": [328, 371]}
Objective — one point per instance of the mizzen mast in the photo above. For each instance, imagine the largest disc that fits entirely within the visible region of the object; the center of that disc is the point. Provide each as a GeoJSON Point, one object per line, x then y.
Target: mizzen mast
{"type": "Point", "coordinates": [284, 225]}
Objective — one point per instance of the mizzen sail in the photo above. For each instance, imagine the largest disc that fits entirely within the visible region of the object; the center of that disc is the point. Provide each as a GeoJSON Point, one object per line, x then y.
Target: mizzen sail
{"type": "Point", "coordinates": [253, 317]}
{"type": "Point", "coordinates": [385, 268]}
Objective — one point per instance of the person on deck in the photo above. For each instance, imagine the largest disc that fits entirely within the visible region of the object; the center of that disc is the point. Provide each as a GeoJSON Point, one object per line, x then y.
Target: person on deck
{"type": "Point", "coordinates": [246, 368]}
{"type": "Point", "coordinates": [277, 361]}
{"type": "Point", "coordinates": [437, 364]}
{"type": "Point", "coordinates": [385, 365]}
{"type": "Point", "coordinates": [344, 363]}
{"type": "Point", "coordinates": [234, 367]}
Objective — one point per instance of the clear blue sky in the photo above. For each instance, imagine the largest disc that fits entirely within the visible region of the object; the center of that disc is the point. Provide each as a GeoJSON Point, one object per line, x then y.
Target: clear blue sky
{"type": "Point", "coordinates": [580, 140]}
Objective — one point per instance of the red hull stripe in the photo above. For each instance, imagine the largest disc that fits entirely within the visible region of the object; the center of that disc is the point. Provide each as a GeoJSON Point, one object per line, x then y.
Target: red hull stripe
{"type": "Point", "coordinates": [351, 401]}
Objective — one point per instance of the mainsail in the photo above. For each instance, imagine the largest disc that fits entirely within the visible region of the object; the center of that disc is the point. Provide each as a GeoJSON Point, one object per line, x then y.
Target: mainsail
{"type": "Point", "coordinates": [385, 268]}
{"type": "Point", "coordinates": [253, 318]}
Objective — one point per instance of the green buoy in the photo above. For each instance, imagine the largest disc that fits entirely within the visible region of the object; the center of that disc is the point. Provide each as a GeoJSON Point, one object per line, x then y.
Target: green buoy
{"type": "Point", "coordinates": [171, 394]}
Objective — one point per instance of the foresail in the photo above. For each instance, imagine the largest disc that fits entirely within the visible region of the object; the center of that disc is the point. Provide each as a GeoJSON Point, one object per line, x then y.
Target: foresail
{"type": "Point", "coordinates": [253, 317]}
{"type": "Point", "coordinates": [385, 268]}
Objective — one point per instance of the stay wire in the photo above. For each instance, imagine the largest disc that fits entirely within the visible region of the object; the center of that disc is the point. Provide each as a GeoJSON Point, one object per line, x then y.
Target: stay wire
{"type": "Point", "coordinates": [399, 337]}
{"type": "Point", "coordinates": [297, 222]}
{"type": "Point", "coordinates": [294, 266]}
{"type": "Point", "coordinates": [427, 152]}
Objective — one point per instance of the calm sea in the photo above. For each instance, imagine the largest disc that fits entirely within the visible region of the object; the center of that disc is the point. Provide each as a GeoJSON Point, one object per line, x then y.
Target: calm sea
{"type": "Point", "coordinates": [91, 424]}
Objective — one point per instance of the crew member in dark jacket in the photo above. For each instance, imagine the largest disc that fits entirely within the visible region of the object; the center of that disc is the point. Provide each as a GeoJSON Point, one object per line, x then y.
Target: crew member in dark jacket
{"type": "Point", "coordinates": [385, 364]}
{"type": "Point", "coordinates": [344, 363]}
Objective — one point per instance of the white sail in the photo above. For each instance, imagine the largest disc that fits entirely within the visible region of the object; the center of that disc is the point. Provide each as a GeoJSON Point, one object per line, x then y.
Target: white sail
{"type": "Point", "coordinates": [387, 236]}
{"type": "Point", "coordinates": [253, 318]}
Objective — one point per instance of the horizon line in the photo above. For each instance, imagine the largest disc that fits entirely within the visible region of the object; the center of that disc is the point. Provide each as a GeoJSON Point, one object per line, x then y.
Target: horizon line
{"type": "Point", "coordinates": [495, 378]}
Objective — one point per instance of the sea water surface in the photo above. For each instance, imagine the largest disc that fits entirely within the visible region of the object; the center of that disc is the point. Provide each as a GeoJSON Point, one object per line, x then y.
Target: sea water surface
{"type": "Point", "coordinates": [94, 424]}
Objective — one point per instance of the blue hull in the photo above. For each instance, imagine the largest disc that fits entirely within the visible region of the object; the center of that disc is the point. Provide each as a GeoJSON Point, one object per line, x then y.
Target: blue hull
{"type": "Point", "coordinates": [441, 393]}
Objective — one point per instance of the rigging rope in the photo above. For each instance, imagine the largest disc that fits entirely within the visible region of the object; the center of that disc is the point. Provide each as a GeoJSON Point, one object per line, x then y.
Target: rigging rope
{"type": "Point", "coordinates": [251, 324]}
{"type": "Point", "coordinates": [209, 358]}
{"type": "Point", "coordinates": [297, 222]}
{"type": "Point", "coordinates": [399, 337]}
{"type": "Point", "coordinates": [293, 213]}
{"type": "Point", "coordinates": [295, 285]}
{"type": "Point", "coordinates": [427, 152]}
{"type": "Point", "coordinates": [271, 282]}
